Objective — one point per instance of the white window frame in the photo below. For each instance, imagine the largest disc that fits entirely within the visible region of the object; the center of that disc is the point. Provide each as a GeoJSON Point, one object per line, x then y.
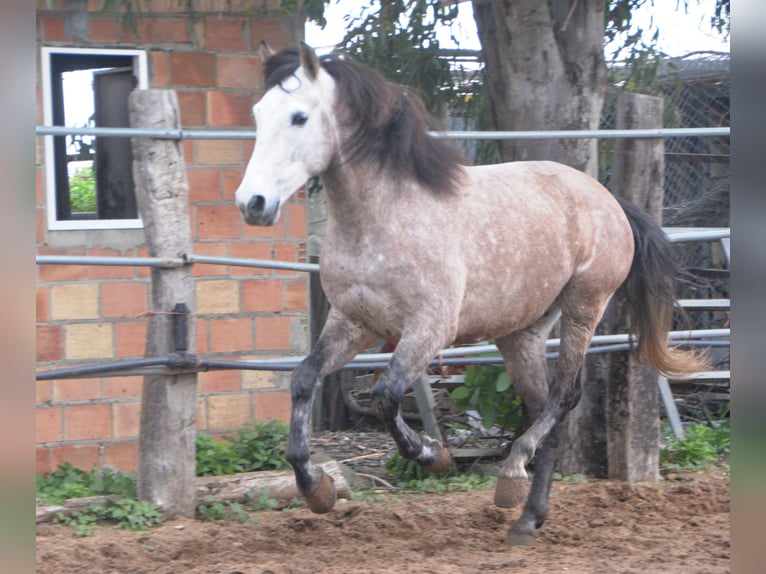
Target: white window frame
{"type": "Point", "coordinates": [141, 72]}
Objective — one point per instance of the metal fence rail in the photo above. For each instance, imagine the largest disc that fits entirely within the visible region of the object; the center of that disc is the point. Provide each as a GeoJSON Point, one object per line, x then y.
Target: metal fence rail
{"type": "Point", "coordinates": [247, 134]}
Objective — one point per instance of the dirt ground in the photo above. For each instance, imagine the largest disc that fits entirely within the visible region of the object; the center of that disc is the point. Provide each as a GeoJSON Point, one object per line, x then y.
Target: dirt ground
{"type": "Point", "coordinates": [679, 525]}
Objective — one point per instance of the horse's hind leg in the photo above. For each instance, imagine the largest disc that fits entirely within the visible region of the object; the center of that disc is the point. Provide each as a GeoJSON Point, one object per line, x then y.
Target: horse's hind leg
{"type": "Point", "coordinates": [564, 393]}
{"type": "Point", "coordinates": [409, 360]}
{"type": "Point", "coordinates": [338, 343]}
{"type": "Point", "coordinates": [524, 357]}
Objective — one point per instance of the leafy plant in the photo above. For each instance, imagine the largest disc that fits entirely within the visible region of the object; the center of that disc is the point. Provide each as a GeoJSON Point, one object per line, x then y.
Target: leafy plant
{"type": "Point", "coordinates": [411, 476]}
{"type": "Point", "coordinates": [257, 445]}
{"type": "Point", "coordinates": [68, 482]}
{"type": "Point", "coordinates": [701, 445]}
{"type": "Point", "coordinates": [488, 391]}
{"type": "Point", "coordinates": [82, 191]}
{"type": "Point", "coordinates": [127, 513]}
{"type": "Point", "coordinates": [224, 510]}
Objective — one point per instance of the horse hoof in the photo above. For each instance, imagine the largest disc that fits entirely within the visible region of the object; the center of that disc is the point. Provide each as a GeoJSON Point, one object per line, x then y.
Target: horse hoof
{"type": "Point", "coordinates": [443, 460]}
{"type": "Point", "coordinates": [511, 492]}
{"type": "Point", "coordinates": [322, 498]}
{"type": "Point", "coordinates": [516, 538]}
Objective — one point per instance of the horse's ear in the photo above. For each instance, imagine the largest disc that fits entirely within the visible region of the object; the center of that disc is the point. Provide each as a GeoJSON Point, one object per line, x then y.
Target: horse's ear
{"type": "Point", "coordinates": [309, 60]}
{"type": "Point", "coordinates": [264, 51]}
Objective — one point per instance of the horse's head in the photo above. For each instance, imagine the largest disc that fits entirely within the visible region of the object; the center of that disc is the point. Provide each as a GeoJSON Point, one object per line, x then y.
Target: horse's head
{"type": "Point", "coordinates": [296, 135]}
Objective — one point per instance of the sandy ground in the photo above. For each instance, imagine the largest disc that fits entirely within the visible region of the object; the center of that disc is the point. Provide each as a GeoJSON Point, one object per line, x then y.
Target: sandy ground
{"type": "Point", "coordinates": [676, 526]}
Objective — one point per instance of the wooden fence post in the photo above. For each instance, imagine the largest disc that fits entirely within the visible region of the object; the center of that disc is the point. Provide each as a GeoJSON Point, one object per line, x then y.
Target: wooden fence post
{"type": "Point", "coordinates": [167, 440]}
{"type": "Point", "coordinates": [632, 394]}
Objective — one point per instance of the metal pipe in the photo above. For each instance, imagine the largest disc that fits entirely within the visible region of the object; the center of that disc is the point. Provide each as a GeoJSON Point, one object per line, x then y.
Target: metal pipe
{"type": "Point", "coordinates": [579, 134]}
{"type": "Point", "coordinates": [241, 262]}
{"type": "Point", "coordinates": [115, 261]}
{"type": "Point", "coordinates": [186, 363]}
{"type": "Point", "coordinates": [248, 134]}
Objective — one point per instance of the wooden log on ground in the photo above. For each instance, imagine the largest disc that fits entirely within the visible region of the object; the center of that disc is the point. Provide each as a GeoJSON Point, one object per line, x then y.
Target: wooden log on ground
{"type": "Point", "coordinates": [167, 436]}
{"type": "Point", "coordinates": [276, 484]}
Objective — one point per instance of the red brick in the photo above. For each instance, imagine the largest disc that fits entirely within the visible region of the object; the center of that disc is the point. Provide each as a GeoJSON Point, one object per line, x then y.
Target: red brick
{"type": "Point", "coordinates": [192, 69]}
{"type": "Point", "coordinates": [48, 343]}
{"type": "Point", "coordinates": [295, 220]}
{"type": "Point", "coordinates": [43, 392]}
{"type": "Point", "coordinates": [174, 30]}
{"type": "Point", "coordinates": [66, 390]}
{"type": "Point", "coordinates": [122, 387]}
{"type": "Point", "coordinates": [272, 405]}
{"type": "Point", "coordinates": [270, 30]}
{"type": "Point", "coordinates": [192, 105]}
{"type": "Point", "coordinates": [213, 248]}
{"type": "Point", "coordinates": [204, 184]}
{"type": "Point", "coordinates": [285, 252]}
{"type": "Point", "coordinates": [127, 419]}
{"type": "Point", "coordinates": [225, 33]}
{"type": "Point", "coordinates": [260, 232]}
{"type": "Point", "coordinates": [296, 295]}
{"type": "Point", "coordinates": [160, 69]}
{"type": "Point", "coordinates": [230, 335]}
{"type": "Point", "coordinates": [187, 147]}
{"type": "Point", "coordinates": [53, 29]}
{"type": "Point", "coordinates": [141, 31]}
{"type": "Point", "coordinates": [48, 424]}
{"type": "Point", "coordinates": [87, 422]}
{"type": "Point", "coordinates": [41, 304]}
{"type": "Point", "coordinates": [201, 422]}
{"type": "Point", "coordinates": [228, 411]}
{"type": "Point", "coordinates": [121, 456]}
{"type": "Point", "coordinates": [109, 271]}
{"type": "Point", "coordinates": [218, 152]}
{"type": "Point", "coordinates": [272, 333]}
{"type": "Point", "coordinates": [79, 456]}
{"type": "Point", "coordinates": [230, 109]}
{"type": "Point", "coordinates": [202, 336]}
{"type": "Point", "coordinates": [39, 174]}
{"type": "Point", "coordinates": [43, 460]}
{"type": "Point", "coordinates": [131, 338]}
{"type": "Point", "coordinates": [171, 6]}
{"type": "Point", "coordinates": [218, 382]}
{"type": "Point", "coordinates": [103, 30]}
{"type": "Point", "coordinates": [217, 297]}
{"type": "Point", "coordinates": [262, 295]}
{"type": "Point", "coordinates": [250, 250]}
{"type": "Point", "coordinates": [124, 299]}
{"type": "Point", "coordinates": [218, 222]}
{"type": "Point", "coordinates": [232, 177]}
{"type": "Point", "coordinates": [40, 227]}
{"type": "Point", "coordinates": [89, 340]}
{"type": "Point", "coordinates": [55, 273]}
{"type": "Point", "coordinates": [236, 71]}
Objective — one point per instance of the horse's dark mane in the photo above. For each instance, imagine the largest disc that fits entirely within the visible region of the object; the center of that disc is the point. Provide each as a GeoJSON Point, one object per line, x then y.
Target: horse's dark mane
{"type": "Point", "coordinates": [391, 122]}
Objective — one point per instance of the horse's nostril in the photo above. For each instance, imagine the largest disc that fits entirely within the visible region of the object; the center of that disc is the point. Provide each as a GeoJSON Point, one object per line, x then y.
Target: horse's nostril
{"type": "Point", "coordinates": [256, 204]}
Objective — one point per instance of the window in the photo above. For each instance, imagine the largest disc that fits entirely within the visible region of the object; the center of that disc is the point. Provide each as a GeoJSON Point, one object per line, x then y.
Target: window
{"type": "Point", "coordinates": [89, 180]}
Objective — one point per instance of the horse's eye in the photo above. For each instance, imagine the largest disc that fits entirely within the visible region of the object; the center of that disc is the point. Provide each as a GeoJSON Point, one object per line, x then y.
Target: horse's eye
{"type": "Point", "coordinates": [299, 119]}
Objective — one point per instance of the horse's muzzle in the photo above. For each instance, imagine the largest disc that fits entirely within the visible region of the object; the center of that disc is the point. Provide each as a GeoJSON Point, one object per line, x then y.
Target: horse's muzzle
{"type": "Point", "coordinates": [258, 212]}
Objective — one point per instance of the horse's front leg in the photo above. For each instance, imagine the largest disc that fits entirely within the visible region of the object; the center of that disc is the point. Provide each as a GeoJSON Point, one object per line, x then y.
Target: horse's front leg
{"type": "Point", "coordinates": [408, 362]}
{"type": "Point", "coordinates": [338, 343]}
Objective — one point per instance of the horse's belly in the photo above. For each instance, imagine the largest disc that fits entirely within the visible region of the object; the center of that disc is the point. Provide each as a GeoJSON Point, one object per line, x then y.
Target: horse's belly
{"type": "Point", "coordinates": [498, 318]}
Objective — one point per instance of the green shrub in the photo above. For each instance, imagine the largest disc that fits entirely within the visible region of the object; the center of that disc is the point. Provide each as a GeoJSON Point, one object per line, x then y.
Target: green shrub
{"type": "Point", "coordinates": [82, 191]}
{"type": "Point", "coordinates": [127, 513]}
{"type": "Point", "coordinates": [701, 445]}
{"type": "Point", "coordinates": [488, 390]}
{"type": "Point", "coordinates": [68, 482]}
{"type": "Point", "coordinates": [256, 445]}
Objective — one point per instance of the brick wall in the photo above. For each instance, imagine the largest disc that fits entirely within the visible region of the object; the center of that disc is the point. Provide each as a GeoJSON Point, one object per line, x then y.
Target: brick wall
{"type": "Point", "coordinates": [86, 313]}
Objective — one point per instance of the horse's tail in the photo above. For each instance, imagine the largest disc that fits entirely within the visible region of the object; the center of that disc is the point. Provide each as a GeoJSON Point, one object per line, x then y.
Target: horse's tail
{"type": "Point", "coordinates": [650, 296]}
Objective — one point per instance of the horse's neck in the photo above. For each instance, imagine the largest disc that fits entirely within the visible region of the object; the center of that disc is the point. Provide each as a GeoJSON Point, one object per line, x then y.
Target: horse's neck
{"type": "Point", "coordinates": [354, 191]}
